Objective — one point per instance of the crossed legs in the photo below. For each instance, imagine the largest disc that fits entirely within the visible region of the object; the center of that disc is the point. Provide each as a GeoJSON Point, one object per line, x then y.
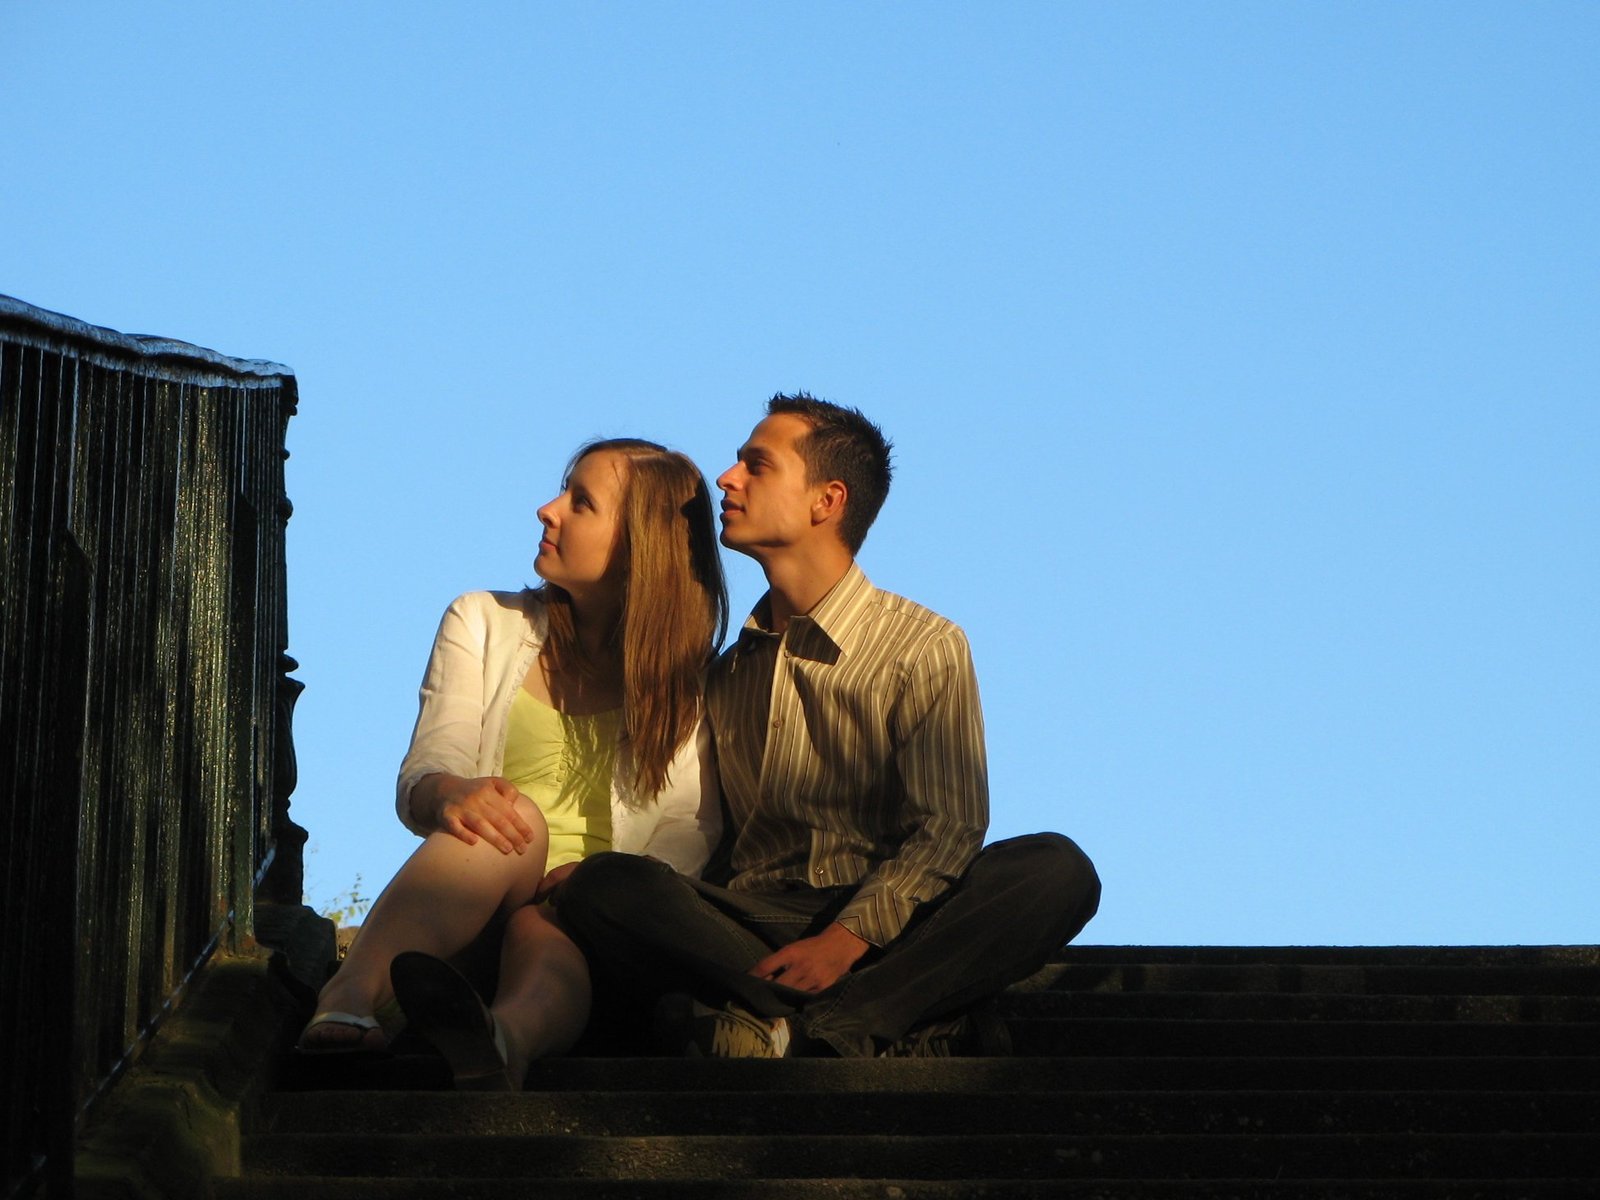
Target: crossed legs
{"type": "Point", "coordinates": [655, 931]}
{"type": "Point", "coordinates": [440, 902]}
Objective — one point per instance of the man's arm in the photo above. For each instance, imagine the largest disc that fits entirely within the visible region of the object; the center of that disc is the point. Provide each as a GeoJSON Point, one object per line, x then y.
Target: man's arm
{"type": "Point", "coordinates": [815, 963]}
{"type": "Point", "coordinates": [936, 728]}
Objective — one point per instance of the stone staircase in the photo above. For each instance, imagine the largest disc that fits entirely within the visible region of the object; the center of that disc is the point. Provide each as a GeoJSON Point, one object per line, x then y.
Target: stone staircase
{"type": "Point", "coordinates": [1203, 1072]}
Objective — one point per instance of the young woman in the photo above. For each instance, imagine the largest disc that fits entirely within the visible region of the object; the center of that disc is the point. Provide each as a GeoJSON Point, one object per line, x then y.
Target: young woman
{"type": "Point", "coordinates": [554, 723]}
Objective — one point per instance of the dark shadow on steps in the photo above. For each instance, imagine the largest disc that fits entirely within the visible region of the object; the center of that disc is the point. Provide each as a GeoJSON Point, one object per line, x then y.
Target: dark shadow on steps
{"type": "Point", "coordinates": [1143, 1071]}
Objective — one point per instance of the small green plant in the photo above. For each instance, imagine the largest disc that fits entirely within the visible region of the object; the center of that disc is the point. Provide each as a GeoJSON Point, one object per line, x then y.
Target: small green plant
{"type": "Point", "coordinates": [347, 908]}
{"type": "Point", "coordinates": [343, 908]}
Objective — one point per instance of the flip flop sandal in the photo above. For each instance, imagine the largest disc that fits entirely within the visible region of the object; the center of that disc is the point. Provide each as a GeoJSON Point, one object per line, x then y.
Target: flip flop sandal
{"type": "Point", "coordinates": [441, 1006]}
{"type": "Point", "coordinates": [349, 1020]}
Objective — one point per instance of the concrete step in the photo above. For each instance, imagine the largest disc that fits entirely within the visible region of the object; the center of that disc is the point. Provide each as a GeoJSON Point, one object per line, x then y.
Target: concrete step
{"type": "Point", "coordinates": [1301, 1006]}
{"type": "Point", "coordinates": [1006, 1156]}
{"type": "Point", "coordinates": [1010, 1075]}
{"type": "Point", "coordinates": [1253, 1073]}
{"type": "Point", "coordinates": [1379, 978]}
{"type": "Point", "coordinates": [803, 1113]}
{"type": "Point", "coordinates": [1499, 957]}
{"type": "Point", "coordinates": [720, 1188]}
{"type": "Point", "coordinates": [1006, 1076]}
{"type": "Point", "coordinates": [1094, 1036]}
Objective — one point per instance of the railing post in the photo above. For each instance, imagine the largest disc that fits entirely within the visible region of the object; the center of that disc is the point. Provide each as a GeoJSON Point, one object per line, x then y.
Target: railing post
{"type": "Point", "coordinates": [145, 755]}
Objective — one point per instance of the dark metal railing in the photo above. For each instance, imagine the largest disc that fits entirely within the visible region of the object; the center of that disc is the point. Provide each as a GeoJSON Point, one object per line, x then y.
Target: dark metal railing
{"type": "Point", "coordinates": [145, 760]}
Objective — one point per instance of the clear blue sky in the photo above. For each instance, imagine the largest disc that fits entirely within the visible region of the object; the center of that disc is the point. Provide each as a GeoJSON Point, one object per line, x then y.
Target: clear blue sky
{"type": "Point", "coordinates": [1243, 362]}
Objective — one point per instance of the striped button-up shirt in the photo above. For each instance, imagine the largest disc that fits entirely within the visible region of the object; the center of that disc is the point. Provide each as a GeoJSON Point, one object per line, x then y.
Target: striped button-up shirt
{"type": "Point", "coordinates": [851, 753]}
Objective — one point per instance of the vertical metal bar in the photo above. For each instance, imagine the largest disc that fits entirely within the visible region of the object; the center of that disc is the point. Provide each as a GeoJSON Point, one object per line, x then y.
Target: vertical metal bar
{"type": "Point", "coordinates": [16, 1105]}
{"type": "Point", "coordinates": [68, 650]}
{"type": "Point", "coordinates": [243, 793]}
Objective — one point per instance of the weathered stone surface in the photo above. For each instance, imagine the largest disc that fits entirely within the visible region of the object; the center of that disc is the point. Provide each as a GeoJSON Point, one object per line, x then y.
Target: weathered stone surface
{"type": "Point", "coordinates": [307, 941]}
{"type": "Point", "coordinates": [171, 1124]}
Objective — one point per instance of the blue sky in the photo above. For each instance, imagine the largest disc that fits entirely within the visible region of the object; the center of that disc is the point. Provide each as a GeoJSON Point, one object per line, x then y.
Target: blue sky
{"type": "Point", "coordinates": [1241, 359]}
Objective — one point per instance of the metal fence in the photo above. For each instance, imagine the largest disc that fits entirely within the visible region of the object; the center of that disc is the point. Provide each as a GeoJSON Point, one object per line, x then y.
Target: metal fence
{"type": "Point", "coordinates": [145, 762]}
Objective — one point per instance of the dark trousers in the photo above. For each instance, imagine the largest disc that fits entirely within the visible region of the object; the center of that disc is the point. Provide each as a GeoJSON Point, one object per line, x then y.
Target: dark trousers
{"type": "Point", "coordinates": [651, 930]}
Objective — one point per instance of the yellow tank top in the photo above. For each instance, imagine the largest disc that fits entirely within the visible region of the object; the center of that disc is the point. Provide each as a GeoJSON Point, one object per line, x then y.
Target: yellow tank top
{"type": "Point", "coordinates": [564, 765]}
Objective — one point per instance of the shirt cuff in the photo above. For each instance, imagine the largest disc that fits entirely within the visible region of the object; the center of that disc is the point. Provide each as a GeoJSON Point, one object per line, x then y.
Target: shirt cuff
{"type": "Point", "coordinates": [877, 913]}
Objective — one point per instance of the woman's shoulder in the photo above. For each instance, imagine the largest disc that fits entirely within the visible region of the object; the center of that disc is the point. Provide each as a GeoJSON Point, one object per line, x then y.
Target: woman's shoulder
{"type": "Point", "coordinates": [521, 600]}
{"type": "Point", "coordinates": [499, 608]}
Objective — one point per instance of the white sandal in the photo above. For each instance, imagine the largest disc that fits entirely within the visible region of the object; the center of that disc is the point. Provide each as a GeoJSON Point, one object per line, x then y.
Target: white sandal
{"type": "Point", "coordinates": [350, 1021]}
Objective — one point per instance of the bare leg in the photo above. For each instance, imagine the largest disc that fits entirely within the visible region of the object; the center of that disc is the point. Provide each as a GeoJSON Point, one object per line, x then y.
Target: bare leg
{"type": "Point", "coordinates": [542, 1003]}
{"type": "Point", "coordinates": [438, 902]}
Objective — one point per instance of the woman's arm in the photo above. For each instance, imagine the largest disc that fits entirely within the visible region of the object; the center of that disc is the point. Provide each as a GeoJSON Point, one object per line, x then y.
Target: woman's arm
{"type": "Point", "coordinates": [440, 790]}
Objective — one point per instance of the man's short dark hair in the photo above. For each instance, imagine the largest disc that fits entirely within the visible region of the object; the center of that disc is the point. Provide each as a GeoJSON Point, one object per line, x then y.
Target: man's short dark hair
{"type": "Point", "coordinates": [844, 445]}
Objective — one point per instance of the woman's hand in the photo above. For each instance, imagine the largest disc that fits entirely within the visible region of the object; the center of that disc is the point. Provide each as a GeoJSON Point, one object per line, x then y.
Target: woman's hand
{"type": "Point", "coordinates": [472, 809]}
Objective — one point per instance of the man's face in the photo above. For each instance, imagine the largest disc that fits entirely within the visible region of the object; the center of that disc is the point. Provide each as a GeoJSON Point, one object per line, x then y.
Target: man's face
{"type": "Point", "coordinates": [766, 501]}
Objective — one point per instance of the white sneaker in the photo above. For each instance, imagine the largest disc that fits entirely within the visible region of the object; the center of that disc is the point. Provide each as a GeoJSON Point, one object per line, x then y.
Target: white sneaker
{"type": "Point", "coordinates": [686, 1026]}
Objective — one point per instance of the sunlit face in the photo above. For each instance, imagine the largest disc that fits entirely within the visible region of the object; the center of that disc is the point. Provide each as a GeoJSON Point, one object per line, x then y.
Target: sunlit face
{"type": "Point", "coordinates": [766, 501]}
{"type": "Point", "coordinates": [582, 527]}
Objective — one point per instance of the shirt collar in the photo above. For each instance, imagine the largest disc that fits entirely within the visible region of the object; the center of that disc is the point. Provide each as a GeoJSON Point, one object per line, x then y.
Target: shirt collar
{"type": "Point", "coordinates": [828, 629]}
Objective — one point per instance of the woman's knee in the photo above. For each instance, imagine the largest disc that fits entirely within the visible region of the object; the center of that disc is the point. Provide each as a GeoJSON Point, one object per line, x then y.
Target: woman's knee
{"type": "Point", "coordinates": [514, 875]}
{"type": "Point", "coordinates": [538, 844]}
{"type": "Point", "coordinates": [533, 817]}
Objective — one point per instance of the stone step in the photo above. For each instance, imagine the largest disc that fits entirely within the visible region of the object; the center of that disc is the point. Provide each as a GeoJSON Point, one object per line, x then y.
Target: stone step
{"type": "Point", "coordinates": [719, 1188]}
{"type": "Point", "coordinates": [1406, 956]}
{"type": "Point", "coordinates": [1008, 1156]}
{"type": "Point", "coordinates": [1204, 1072]}
{"type": "Point", "coordinates": [1301, 1006]}
{"type": "Point", "coordinates": [1004, 1076]}
{"type": "Point", "coordinates": [1019, 1074]}
{"type": "Point", "coordinates": [1385, 978]}
{"type": "Point", "coordinates": [1095, 1036]}
{"type": "Point", "coordinates": [799, 1113]}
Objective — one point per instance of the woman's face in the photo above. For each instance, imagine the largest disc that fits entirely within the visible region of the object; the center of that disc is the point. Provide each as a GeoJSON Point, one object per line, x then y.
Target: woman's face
{"type": "Point", "coordinates": [578, 551]}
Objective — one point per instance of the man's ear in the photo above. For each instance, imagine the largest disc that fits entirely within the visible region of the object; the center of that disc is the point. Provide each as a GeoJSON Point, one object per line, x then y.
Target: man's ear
{"type": "Point", "coordinates": [828, 505]}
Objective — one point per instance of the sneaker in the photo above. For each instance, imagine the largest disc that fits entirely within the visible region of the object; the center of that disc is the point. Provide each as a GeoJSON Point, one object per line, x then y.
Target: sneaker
{"type": "Point", "coordinates": [685, 1026]}
{"type": "Point", "coordinates": [979, 1033]}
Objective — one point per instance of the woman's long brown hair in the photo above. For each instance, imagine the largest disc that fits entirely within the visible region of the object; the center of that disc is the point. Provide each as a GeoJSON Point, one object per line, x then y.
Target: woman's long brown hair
{"type": "Point", "coordinates": [674, 602]}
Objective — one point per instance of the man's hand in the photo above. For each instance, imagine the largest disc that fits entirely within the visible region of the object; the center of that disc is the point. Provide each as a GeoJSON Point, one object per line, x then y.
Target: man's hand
{"type": "Point", "coordinates": [472, 809]}
{"type": "Point", "coordinates": [815, 963]}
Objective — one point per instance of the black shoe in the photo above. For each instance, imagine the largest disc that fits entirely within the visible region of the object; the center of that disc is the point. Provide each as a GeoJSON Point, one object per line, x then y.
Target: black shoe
{"type": "Point", "coordinates": [444, 1009]}
{"type": "Point", "coordinates": [977, 1033]}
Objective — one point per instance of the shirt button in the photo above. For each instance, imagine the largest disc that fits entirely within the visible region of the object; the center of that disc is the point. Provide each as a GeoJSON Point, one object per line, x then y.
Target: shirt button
{"type": "Point", "coordinates": [777, 722]}
{"type": "Point", "coordinates": [821, 872]}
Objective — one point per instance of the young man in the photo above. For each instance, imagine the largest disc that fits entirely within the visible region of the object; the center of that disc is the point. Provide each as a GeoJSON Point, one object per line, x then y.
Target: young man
{"type": "Point", "coordinates": [858, 914]}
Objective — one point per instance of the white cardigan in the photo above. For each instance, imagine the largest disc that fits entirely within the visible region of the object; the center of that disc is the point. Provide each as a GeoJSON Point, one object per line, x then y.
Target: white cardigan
{"type": "Point", "coordinates": [486, 644]}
